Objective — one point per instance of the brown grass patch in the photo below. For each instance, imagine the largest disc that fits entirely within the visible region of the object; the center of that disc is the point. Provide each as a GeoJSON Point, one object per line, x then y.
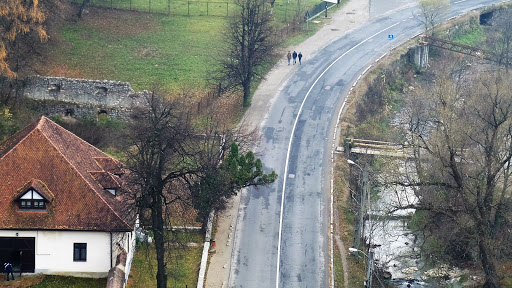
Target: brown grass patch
{"type": "Point", "coordinates": [147, 52]}
{"type": "Point", "coordinates": [64, 71]}
{"type": "Point", "coordinates": [21, 282]}
{"type": "Point", "coordinates": [142, 22]}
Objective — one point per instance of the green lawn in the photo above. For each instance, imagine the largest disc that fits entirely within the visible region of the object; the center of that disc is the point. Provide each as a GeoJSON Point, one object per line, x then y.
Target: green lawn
{"type": "Point", "coordinates": [146, 50]}
{"type": "Point", "coordinates": [51, 281]}
{"type": "Point", "coordinates": [473, 38]}
{"type": "Point", "coordinates": [181, 7]}
{"type": "Point", "coordinates": [175, 53]}
{"type": "Point", "coordinates": [284, 10]}
{"type": "Point", "coordinates": [182, 269]}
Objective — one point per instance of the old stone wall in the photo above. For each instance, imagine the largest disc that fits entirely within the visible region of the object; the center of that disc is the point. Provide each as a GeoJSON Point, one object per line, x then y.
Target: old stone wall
{"type": "Point", "coordinates": [82, 97]}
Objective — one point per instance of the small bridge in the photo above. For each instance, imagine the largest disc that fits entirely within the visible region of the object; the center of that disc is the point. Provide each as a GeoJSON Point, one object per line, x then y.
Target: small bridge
{"type": "Point", "coordinates": [458, 48]}
{"type": "Point", "coordinates": [382, 148]}
{"type": "Point", "coordinates": [373, 147]}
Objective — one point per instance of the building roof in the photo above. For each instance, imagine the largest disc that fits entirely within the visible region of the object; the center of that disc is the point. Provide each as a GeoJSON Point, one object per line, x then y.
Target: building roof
{"type": "Point", "coordinates": [70, 174]}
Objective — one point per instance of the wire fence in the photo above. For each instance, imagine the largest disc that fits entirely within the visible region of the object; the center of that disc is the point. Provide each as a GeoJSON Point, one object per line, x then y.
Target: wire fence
{"type": "Point", "coordinates": [181, 8]}
{"type": "Point", "coordinates": [320, 7]}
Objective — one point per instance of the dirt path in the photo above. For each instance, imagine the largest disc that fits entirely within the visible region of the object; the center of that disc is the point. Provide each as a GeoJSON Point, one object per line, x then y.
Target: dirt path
{"type": "Point", "coordinates": [350, 16]}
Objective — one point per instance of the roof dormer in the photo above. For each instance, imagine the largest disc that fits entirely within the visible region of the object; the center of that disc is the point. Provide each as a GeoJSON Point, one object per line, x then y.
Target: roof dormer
{"type": "Point", "coordinates": [107, 181]}
{"type": "Point", "coordinates": [110, 165]}
{"type": "Point", "coordinates": [34, 195]}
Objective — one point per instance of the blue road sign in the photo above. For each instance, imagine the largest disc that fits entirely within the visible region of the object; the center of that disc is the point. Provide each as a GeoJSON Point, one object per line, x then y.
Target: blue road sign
{"type": "Point", "coordinates": [391, 36]}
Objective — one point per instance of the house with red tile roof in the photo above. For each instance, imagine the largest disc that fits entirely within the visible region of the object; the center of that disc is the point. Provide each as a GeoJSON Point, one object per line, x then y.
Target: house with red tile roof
{"type": "Point", "coordinates": [64, 205]}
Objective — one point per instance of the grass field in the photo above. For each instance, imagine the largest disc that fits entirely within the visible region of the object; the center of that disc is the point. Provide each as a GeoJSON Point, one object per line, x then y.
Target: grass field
{"type": "Point", "coordinates": [51, 281]}
{"type": "Point", "coordinates": [175, 53]}
{"type": "Point", "coordinates": [474, 38]}
{"type": "Point", "coordinates": [183, 267]}
{"type": "Point", "coordinates": [144, 49]}
{"type": "Point", "coordinates": [182, 7]}
{"type": "Point", "coordinates": [284, 10]}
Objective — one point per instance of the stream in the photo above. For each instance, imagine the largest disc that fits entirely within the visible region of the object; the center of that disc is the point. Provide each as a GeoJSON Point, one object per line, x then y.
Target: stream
{"type": "Point", "coordinates": [396, 248]}
{"type": "Point", "coordinates": [395, 245]}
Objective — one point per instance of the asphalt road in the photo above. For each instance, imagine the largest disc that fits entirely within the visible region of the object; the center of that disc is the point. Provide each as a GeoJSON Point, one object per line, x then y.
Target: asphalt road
{"type": "Point", "coordinates": [304, 111]}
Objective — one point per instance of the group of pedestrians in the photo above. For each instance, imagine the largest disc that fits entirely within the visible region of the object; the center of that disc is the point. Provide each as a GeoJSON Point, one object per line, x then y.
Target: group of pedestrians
{"type": "Point", "coordinates": [294, 56]}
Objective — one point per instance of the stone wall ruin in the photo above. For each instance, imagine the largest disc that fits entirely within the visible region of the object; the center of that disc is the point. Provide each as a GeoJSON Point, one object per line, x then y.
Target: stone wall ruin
{"type": "Point", "coordinates": [82, 97]}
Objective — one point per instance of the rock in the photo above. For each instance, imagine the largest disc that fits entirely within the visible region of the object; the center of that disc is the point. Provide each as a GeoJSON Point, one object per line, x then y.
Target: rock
{"type": "Point", "coordinates": [386, 275]}
{"type": "Point", "coordinates": [410, 270]}
{"type": "Point", "coordinates": [438, 272]}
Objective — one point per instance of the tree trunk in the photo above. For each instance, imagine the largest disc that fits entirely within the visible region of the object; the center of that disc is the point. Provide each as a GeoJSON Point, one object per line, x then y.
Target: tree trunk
{"type": "Point", "coordinates": [158, 233]}
{"type": "Point", "coordinates": [81, 8]}
{"type": "Point", "coordinates": [488, 264]}
{"type": "Point", "coordinates": [247, 93]}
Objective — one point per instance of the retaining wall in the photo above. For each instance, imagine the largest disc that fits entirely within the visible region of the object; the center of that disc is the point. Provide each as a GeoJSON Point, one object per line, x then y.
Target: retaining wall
{"type": "Point", "coordinates": [82, 97]}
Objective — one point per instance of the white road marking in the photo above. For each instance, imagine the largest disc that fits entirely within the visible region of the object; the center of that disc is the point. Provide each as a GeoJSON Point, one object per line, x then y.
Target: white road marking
{"type": "Point", "coordinates": [291, 140]}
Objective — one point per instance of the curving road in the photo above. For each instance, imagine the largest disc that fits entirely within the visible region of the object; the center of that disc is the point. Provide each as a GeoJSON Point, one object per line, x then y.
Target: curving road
{"type": "Point", "coordinates": [288, 222]}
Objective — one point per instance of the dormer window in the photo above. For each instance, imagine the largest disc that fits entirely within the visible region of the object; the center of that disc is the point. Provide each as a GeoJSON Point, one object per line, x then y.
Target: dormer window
{"type": "Point", "coordinates": [33, 195]}
{"type": "Point", "coordinates": [107, 181]}
{"type": "Point", "coordinates": [32, 200]}
{"type": "Point", "coordinates": [112, 191]}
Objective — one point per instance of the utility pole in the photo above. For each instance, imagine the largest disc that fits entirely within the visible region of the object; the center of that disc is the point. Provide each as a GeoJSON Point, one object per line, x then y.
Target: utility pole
{"type": "Point", "coordinates": [369, 271]}
{"type": "Point", "coordinates": [358, 235]}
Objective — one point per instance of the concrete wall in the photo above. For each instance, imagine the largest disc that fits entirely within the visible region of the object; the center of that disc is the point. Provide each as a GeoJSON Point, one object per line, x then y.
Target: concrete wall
{"type": "Point", "coordinates": [54, 251]}
{"type": "Point", "coordinates": [419, 56]}
{"type": "Point", "coordinates": [81, 97]}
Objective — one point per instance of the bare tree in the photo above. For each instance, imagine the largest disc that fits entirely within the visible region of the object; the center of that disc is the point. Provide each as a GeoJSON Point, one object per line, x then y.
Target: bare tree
{"type": "Point", "coordinates": [226, 165]}
{"type": "Point", "coordinates": [219, 181]}
{"type": "Point", "coordinates": [463, 152]}
{"type": "Point", "coordinates": [82, 7]}
{"type": "Point", "coordinates": [500, 39]}
{"type": "Point", "coordinates": [250, 42]}
{"type": "Point", "coordinates": [170, 162]}
{"type": "Point", "coordinates": [158, 155]}
{"type": "Point", "coordinates": [431, 12]}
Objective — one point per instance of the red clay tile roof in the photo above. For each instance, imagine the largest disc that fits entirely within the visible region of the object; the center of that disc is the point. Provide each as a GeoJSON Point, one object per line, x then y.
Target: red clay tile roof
{"type": "Point", "coordinates": [109, 164]}
{"type": "Point", "coordinates": [61, 162]}
{"type": "Point", "coordinates": [37, 185]}
{"type": "Point", "coordinates": [105, 179]}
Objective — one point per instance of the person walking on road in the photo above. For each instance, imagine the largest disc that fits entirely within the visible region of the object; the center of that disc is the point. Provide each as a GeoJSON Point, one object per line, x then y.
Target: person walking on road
{"type": "Point", "coordinates": [300, 58]}
{"type": "Point", "coordinates": [294, 57]}
{"type": "Point", "coordinates": [289, 56]}
{"type": "Point", "coordinates": [8, 270]}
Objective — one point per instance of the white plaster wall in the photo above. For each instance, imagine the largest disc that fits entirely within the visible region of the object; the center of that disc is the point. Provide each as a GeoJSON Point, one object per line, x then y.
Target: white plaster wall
{"type": "Point", "coordinates": [125, 240]}
{"type": "Point", "coordinates": [54, 251]}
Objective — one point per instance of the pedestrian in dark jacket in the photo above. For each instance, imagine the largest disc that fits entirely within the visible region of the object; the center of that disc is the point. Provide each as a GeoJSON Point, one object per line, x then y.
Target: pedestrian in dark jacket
{"type": "Point", "coordinates": [300, 58]}
{"type": "Point", "coordinates": [294, 57]}
{"type": "Point", "coordinates": [8, 270]}
{"type": "Point", "coordinates": [289, 56]}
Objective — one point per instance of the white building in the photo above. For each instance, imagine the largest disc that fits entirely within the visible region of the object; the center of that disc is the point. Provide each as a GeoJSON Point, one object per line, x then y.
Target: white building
{"type": "Point", "coordinates": [64, 207]}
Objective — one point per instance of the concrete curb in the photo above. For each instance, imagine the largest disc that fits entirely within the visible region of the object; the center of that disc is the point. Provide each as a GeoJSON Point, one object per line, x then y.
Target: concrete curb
{"type": "Point", "coordinates": [206, 248]}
